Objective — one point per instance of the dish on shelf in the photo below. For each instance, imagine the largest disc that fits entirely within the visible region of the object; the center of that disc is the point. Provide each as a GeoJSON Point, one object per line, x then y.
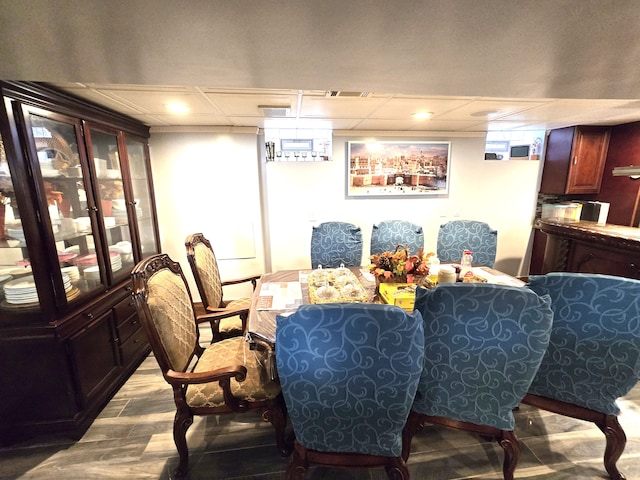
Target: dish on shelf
{"type": "Point", "coordinates": [66, 256]}
{"type": "Point", "coordinates": [23, 291]}
{"type": "Point", "coordinates": [73, 272]}
{"type": "Point", "coordinates": [14, 271]}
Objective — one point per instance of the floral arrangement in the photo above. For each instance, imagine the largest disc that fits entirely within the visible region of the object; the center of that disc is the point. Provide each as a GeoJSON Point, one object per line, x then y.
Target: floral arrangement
{"type": "Point", "coordinates": [400, 266]}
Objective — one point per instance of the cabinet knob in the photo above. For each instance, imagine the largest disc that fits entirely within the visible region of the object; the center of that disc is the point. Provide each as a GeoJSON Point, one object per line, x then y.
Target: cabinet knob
{"type": "Point", "coordinates": [90, 316]}
{"type": "Point", "coordinates": [575, 160]}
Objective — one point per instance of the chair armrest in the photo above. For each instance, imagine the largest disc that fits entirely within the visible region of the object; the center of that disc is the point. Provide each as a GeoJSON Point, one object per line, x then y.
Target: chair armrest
{"type": "Point", "coordinates": [214, 314]}
{"type": "Point", "coordinates": [239, 372]}
{"type": "Point", "coordinates": [253, 279]}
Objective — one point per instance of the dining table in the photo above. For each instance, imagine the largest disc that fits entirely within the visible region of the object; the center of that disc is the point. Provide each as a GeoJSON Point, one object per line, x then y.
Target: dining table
{"type": "Point", "coordinates": [283, 291]}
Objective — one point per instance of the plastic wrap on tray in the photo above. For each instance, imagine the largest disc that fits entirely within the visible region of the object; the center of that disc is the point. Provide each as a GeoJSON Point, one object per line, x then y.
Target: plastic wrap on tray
{"type": "Point", "coordinates": [335, 285]}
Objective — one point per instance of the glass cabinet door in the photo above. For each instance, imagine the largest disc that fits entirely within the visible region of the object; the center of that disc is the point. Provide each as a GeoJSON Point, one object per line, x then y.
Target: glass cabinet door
{"type": "Point", "coordinates": [143, 200]}
{"type": "Point", "coordinates": [105, 156]}
{"type": "Point", "coordinates": [69, 202]}
{"type": "Point", "coordinates": [17, 286]}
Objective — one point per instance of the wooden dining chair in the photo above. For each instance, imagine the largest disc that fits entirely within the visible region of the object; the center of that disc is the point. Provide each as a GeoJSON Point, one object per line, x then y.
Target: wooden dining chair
{"type": "Point", "coordinates": [483, 346]}
{"type": "Point", "coordinates": [594, 352]}
{"type": "Point", "coordinates": [227, 317]}
{"type": "Point", "coordinates": [225, 377]}
{"type": "Point", "coordinates": [387, 234]}
{"type": "Point", "coordinates": [336, 243]}
{"type": "Point", "coordinates": [458, 235]}
{"type": "Point", "coordinates": [349, 372]}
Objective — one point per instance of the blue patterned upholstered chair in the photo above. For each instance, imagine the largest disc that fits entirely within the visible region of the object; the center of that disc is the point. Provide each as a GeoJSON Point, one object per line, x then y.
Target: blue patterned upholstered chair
{"type": "Point", "coordinates": [594, 353]}
{"type": "Point", "coordinates": [483, 346]}
{"type": "Point", "coordinates": [227, 317]}
{"type": "Point", "coordinates": [223, 378]}
{"type": "Point", "coordinates": [386, 235]}
{"type": "Point", "coordinates": [349, 373]}
{"type": "Point", "coordinates": [335, 243]}
{"type": "Point", "coordinates": [458, 235]}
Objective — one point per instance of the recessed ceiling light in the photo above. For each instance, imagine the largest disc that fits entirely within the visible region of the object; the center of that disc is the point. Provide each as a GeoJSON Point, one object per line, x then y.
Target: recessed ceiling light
{"type": "Point", "coordinates": [176, 107]}
{"type": "Point", "coordinates": [422, 115]}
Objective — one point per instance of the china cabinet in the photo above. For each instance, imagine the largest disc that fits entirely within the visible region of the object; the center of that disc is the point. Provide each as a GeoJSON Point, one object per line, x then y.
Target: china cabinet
{"type": "Point", "coordinates": [77, 212]}
{"type": "Point", "coordinates": [574, 160]}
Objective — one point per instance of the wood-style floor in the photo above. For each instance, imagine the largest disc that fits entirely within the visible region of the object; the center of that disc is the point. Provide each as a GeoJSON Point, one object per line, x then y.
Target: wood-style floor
{"type": "Point", "coordinates": [132, 439]}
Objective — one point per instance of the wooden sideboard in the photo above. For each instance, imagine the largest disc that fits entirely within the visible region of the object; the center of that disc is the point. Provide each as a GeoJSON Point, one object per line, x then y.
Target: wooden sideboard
{"type": "Point", "coordinates": [588, 247]}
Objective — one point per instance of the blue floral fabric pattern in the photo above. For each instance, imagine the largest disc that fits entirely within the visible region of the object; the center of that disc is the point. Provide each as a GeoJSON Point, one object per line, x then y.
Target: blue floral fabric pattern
{"type": "Point", "coordinates": [483, 346]}
{"type": "Point", "coordinates": [333, 243]}
{"type": "Point", "coordinates": [386, 235]}
{"type": "Point", "coordinates": [594, 353]}
{"type": "Point", "coordinates": [349, 373]}
{"type": "Point", "coordinates": [458, 235]}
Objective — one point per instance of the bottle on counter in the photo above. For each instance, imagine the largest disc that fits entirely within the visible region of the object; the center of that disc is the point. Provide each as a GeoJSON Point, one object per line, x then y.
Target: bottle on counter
{"type": "Point", "coordinates": [466, 274]}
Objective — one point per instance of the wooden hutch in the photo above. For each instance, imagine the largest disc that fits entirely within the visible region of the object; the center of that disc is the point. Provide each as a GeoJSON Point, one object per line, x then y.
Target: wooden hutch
{"type": "Point", "coordinates": [77, 212]}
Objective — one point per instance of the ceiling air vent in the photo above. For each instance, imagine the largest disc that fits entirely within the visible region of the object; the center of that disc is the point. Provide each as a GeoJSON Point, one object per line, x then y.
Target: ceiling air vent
{"type": "Point", "coordinates": [340, 93]}
{"type": "Point", "coordinates": [275, 111]}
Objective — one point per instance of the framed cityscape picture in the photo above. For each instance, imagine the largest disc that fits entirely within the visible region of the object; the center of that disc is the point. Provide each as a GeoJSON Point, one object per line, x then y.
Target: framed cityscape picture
{"type": "Point", "coordinates": [397, 169]}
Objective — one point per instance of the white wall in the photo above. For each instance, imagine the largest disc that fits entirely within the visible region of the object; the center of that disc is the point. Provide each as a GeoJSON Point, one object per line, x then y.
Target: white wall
{"type": "Point", "coordinates": [208, 182]}
{"type": "Point", "coordinates": [502, 194]}
{"type": "Point", "coordinates": [216, 182]}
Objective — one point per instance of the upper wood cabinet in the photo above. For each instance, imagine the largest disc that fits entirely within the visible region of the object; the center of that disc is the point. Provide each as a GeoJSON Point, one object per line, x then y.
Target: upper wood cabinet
{"type": "Point", "coordinates": [574, 160]}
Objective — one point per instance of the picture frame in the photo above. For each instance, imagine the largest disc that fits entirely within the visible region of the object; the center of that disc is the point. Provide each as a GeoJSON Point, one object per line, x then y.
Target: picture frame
{"type": "Point", "coordinates": [397, 169]}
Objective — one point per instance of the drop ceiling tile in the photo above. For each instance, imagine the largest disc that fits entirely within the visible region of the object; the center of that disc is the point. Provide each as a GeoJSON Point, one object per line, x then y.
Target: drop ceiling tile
{"type": "Point", "coordinates": [339, 107]}
{"type": "Point", "coordinates": [192, 119]}
{"type": "Point", "coordinates": [403, 108]}
{"type": "Point", "coordinates": [247, 104]}
{"type": "Point", "coordinates": [154, 101]}
{"type": "Point", "coordinates": [106, 100]}
{"type": "Point", "coordinates": [502, 108]}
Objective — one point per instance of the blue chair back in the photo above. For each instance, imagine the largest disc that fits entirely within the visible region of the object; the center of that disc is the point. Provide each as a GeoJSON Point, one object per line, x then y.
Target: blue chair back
{"type": "Point", "coordinates": [483, 346]}
{"type": "Point", "coordinates": [349, 373]}
{"type": "Point", "coordinates": [594, 353]}
{"type": "Point", "coordinates": [386, 235]}
{"type": "Point", "coordinates": [333, 243]}
{"type": "Point", "coordinates": [458, 235]}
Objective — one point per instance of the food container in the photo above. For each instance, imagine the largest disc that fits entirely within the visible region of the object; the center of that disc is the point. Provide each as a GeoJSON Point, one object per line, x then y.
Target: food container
{"type": "Point", "coordinates": [402, 295]}
{"type": "Point", "coordinates": [566, 211]}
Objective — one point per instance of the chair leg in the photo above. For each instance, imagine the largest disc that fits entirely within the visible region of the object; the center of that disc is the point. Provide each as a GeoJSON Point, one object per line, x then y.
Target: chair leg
{"type": "Point", "coordinates": [397, 469]}
{"type": "Point", "coordinates": [276, 414]}
{"type": "Point", "coordinates": [511, 447]}
{"type": "Point", "coordinates": [215, 331]}
{"type": "Point", "coordinates": [298, 465]}
{"type": "Point", "coordinates": [616, 441]}
{"type": "Point", "coordinates": [414, 425]}
{"type": "Point", "coordinates": [181, 424]}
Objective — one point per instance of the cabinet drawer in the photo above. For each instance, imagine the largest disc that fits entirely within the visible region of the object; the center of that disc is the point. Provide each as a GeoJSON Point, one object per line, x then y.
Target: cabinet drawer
{"type": "Point", "coordinates": [133, 345]}
{"type": "Point", "coordinates": [128, 328]}
{"type": "Point", "coordinates": [124, 309]}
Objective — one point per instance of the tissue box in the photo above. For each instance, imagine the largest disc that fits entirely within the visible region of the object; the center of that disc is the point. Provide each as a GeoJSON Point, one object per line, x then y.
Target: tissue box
{"type": "Point", "coordinates": [402, 295]}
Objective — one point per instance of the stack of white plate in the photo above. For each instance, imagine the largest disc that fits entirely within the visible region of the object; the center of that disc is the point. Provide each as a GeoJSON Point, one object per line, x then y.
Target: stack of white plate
{"type": "Point", "coordinates": [91, 260]}
{"type": "Point", "coordinates": [3, 279]}
{"type": "Point", "coordinates": [116, 261]}
{"type": "Point", "coordinates": [22, 291]}
{"type": "Point", "coordinates": [73, 272]}
{"type": "Point", "coordinates": [92, 273]}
